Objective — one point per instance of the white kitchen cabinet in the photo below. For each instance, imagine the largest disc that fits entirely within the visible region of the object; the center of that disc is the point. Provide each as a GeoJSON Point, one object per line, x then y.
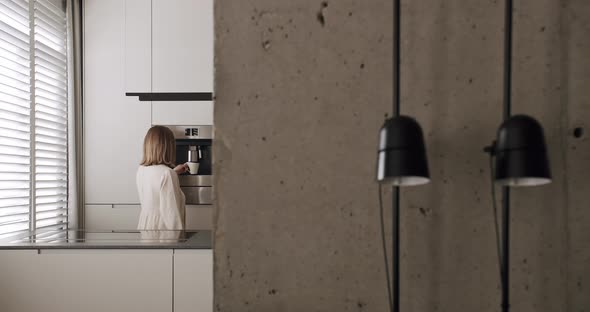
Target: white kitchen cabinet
{"type": "Point", "coordinates": [169, 45]}
{"type": "Point", "coordinates": [114, 125]}
{"type": "Point", "coordinates": [138, 46]}
{"type": "Point", "coordinates": [193, 280]}
{"type": "Point", "coordinates": [112, 217]}
{"type": "Point", "coordinates": [182, 46]}
{"type": "Point", "coordinates": [125, 217]}
{"type": "Point", "coordinates": [86, 280]}
{"type": "Point", "coordinates": [182, 113]}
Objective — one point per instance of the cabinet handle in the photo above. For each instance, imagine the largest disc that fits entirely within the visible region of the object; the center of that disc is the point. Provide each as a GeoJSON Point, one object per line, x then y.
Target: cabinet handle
{"type": "Point", "coordinates": [172, 96]}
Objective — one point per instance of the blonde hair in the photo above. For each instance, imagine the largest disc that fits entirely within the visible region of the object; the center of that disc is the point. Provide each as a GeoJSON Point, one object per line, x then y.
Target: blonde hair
{"type": "Point", "coordinates": [159, 147]}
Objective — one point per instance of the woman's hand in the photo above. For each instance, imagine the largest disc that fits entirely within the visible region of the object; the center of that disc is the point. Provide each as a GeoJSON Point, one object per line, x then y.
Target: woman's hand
{"type": "Point", "coordinates": [180, 169]}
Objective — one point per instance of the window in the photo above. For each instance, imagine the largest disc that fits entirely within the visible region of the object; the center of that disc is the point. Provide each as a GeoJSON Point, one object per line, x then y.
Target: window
{"type": "Point", "coordinates": [33, 116]}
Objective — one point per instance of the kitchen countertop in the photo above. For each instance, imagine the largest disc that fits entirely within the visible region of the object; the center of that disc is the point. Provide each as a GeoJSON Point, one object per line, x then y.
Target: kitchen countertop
{"type": "Point", "coordinates": [109, 239]}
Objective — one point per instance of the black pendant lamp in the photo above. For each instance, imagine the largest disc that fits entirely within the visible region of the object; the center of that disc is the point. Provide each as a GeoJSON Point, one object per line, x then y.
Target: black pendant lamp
{"type": "Point", "coordinates": [402, 156]}
{"type": "Point", "coordinates": [520, 160]}
{"type": "Point", "coordinates": [401, 161]}
{"type": "Point", "coordinates": [521, 154]}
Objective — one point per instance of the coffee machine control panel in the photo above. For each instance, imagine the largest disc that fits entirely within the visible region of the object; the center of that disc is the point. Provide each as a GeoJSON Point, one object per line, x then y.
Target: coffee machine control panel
{"type": "Point", "coordinates": [192, 132]}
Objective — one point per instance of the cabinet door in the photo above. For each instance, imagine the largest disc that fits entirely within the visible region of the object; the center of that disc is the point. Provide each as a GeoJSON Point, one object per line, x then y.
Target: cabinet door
{"type": "Point", "coordinates": [111, 217]}
{"type": "Point", "coordinates": [193, 280]}
{"type": "Point", "coordinates": [114, 125]}
{"type": "Point", "coordinates": [86, 280]}
{"type": "Point", "coordinates": [182, 113]}
{"type": "Point", "coordinates": [182, 45]}
{"type": "Point", "coordinates": [138, 46]}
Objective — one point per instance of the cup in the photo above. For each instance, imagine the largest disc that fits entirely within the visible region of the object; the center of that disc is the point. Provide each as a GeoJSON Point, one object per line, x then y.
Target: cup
{"type": "Point", "coordinates": [193, 167]}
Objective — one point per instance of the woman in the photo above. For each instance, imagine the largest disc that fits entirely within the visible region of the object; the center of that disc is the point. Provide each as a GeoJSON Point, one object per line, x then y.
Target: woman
{"type": "Point", "coordinates": [162, 201]}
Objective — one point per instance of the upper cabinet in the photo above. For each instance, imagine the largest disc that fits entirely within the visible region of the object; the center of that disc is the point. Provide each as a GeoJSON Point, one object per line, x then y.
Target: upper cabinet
{"type": "Point", "coordinates": [169, 46]}
{"type": "Point", "coordinates": [114, 125]}
{"type": "Point", "coordinates": [182, 45]}
{"type": "Point", "coordinates": [169, 49]}
{"type": "Point", "coordinates": [138, 46]}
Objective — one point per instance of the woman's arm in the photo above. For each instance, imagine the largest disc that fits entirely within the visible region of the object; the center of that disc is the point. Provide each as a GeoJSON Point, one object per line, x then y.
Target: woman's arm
{"type": "Point", "coordinates": [180, 169]}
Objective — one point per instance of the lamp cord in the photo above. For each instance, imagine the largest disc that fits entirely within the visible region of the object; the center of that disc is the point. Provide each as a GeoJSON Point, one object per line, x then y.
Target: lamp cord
{"type": "Point", "coordinates": [384, 247]}
{"type": "Point", "coordinates": [496, 225]}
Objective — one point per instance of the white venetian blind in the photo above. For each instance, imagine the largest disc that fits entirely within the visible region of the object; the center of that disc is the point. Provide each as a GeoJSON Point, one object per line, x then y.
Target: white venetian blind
{"type": "Point", "coordinates": [15, 120]}
{"type": "Point", "coordinates": [51, 111]}
{"type": "Point", "coordinates": [33, 116]}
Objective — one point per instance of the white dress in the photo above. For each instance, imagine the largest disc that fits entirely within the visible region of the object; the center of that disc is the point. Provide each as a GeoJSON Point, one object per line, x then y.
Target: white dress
{"type": "Point", "coordinates": [162, 201]}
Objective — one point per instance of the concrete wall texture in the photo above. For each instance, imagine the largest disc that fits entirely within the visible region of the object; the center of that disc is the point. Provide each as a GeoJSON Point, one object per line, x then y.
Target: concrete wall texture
{"type": "Point", "coordinates": [302, 89]}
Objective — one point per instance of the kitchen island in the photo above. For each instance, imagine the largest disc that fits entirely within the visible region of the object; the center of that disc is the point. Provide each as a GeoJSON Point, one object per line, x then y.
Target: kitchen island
{"type": "Point", "coordinates": [102, 270]}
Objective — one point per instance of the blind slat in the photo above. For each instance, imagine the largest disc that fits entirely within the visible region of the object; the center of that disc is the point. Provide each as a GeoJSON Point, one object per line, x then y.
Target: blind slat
{"type": "Point", "coordinates": [50, 140]}
{"type": "Point", "coordinates": [13, 20]}
{"type": "Point", "coordinates": [49, 39]}
{"type": "Point", "coordinates": [14, 66]}
{"type": "Point", "coordinates": [14, 115]}
{"type": "Point", "coordinates": [46, 88]}
{"type": "Point", "coordinates": [50, 56]}
{"type": "Point", "coordinates": [15, 109]}
{"type": "Point", "coordinates": [51, 81]}
{"type": "Point", "coordinates": [4, 141]}
{"type": "Point", "coordinates": [13, 91]}
{"type": "Point", "coordinates": [39, 229]}
{"type": "Point", "coordinates": [15, 210]}
{"type": "Point", "coordinates": [13, 184]}
{"type": "Point", "coordinates": [51, 177]}
{"type": "Point", "coordinates": [48, 154]}
{"type": "Point", "coordinates": [50, 73]}
{"type": "Point", "coordinates": [39, 122]}
{"type": "Point", "coordinates": [39, 100]}
{"type": "Point", "coordinates": [12, 47]}
{"type": "Point", "coordinates": [14, 7]}
{"type": "Point", "coordinates": [45, 64]}
{"type": "Point", "coordinates": [59, 149]}
{"type": "Point", "coordinates": [7, 132]}
{"type": "Point", "coordinates": [45, 38]}
{"type": "Point", "coordinates": [45, 215]}
{"type": "Point", "coordinates": [18, 37]}
{"type": "Point", "coordinates": [48, 161]}
{"type": "Point", "coordinates": [51, 206]}
{"type": "Point", "coordinates": [14, 124]}
{"type": "Point", "coordinates": [16, 220]}
{"type": "Point", "coordinates": [13, 74]}
{"type": "Point", "coordinates": [55, 97]}
{"type": "Point", "coordinates": [14, 159]}
{"type": "Point", "coordinates": [56, 30]}
{"type": "Point", "coordinates": [9, 231]}
{"type": "Point", "coordinates": [11, 202]}
{"type": "Point", "coordinates": [46, 18]}
{"type": "Point", "coordinates": [14, 193]}
{"type": "Point", "coordinates": [22, 3]}
{"type": "Point", "coordinates": [48, 8]}
{"type": "Point", "coordinates": [57, 117]}
{"type": "Point", "coordinates": [15, 83]}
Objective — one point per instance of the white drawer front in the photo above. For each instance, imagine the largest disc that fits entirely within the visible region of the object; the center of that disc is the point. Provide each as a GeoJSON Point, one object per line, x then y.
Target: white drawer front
{"type": "Point", "coordinates": [108, 217]}
{"type": "Point", "coordinates": [125, 217]}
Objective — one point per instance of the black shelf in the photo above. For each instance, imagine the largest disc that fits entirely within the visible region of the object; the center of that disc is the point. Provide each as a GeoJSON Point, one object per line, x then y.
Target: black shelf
{"type": "Point", "coordinates": [172, 96]}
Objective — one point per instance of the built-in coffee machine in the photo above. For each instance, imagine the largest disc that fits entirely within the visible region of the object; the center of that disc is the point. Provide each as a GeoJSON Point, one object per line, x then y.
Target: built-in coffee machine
{"type": "Point", "coordinates": [193, 146]}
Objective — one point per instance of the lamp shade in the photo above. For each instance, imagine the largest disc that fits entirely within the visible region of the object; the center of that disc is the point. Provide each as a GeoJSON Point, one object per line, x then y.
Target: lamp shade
{"type": "Point", "coordinates": [402, 156]}
{"type": "Point", "coordinates": [521, 154]}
